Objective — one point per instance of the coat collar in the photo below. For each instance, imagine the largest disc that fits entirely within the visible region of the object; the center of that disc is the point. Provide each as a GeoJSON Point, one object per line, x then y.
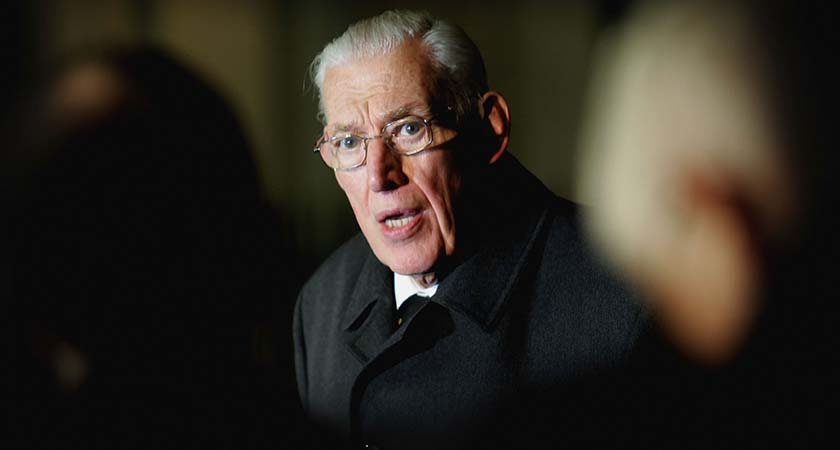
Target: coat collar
{"type": "Point", "coordinates": [481, 286]}
{"type": "Point", "coordinates": [375, 284]}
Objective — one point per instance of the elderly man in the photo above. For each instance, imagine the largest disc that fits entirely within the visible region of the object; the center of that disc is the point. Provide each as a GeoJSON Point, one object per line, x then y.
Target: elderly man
{"type": "Point", "coordinates": [469, 284]}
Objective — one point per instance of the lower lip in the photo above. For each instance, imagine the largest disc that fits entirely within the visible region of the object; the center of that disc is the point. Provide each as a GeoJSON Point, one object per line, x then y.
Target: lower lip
{"type": "Point", "coordinates": [403, 232]}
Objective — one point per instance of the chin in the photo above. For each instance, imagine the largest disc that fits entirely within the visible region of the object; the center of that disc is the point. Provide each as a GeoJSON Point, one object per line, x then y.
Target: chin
{"type": "Point", "coordinates": [410, 269]}
{"type": "Point", "coordinates": [410, 263]}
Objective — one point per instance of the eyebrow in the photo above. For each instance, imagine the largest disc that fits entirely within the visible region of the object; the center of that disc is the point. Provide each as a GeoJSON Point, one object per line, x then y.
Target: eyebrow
{"type": "Point", "coordinates": [414, 108]}
{"type": "Point", "coordinates": [411, 109]}
{"type": "Point", "coordinates": [347, 127]}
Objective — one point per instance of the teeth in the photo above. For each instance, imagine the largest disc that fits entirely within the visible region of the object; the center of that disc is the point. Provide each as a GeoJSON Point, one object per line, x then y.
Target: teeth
{"type": "Point", "coordinates": [396, 223]}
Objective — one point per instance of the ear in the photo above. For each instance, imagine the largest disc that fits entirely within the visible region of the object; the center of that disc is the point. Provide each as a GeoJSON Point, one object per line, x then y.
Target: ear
{"type": "Point", "coordinates": [494, 111]}
{"type": "Point", "coordinates": [707, 296]}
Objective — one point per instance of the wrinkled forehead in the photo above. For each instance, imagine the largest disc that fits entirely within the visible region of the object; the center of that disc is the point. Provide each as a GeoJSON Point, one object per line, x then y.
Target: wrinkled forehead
{"type": "Point", "coordinates": [374, 90]}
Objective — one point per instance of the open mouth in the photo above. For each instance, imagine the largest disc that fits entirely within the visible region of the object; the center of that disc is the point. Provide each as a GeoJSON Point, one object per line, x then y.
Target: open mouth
{"type": "Point", "coordinates": [399, 220]}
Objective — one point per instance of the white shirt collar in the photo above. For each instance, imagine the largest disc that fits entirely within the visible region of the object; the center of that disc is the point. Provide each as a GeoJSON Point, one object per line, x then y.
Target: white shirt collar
{"type": "Point", "coordinates": [405, 286]}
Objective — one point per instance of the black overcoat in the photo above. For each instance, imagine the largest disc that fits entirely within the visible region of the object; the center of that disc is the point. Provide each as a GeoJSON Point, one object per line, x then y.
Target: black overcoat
{"type": "Point", "coordinates": [528, 308]}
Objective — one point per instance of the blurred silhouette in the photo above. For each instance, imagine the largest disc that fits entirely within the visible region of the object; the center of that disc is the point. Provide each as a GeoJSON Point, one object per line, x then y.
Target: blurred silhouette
{"type": "Point", "coordinates": [688, 173]}
{"type": "Point", "coordinates": [710, 166]}
{"type": "Point", "coordinates": [142, 265]}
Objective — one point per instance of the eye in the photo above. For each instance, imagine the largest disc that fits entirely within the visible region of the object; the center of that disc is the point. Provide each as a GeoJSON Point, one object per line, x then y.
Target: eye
{"type": "Point", "coordinates": [349, 142]}
{"type": "Point", "coordinates": [409, 128]}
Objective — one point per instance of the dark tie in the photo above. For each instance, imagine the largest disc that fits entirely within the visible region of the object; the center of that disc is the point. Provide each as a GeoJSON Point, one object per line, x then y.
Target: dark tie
{"type": "Point", "coordinates": [407, 308]}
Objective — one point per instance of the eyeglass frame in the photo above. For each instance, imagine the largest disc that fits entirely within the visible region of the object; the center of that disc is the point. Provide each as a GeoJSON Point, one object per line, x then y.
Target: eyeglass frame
{"type": "Point", "coordinates": [426, 122]}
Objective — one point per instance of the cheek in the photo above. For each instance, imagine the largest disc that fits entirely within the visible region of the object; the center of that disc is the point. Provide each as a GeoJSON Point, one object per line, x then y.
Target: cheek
{"type": "Point", "coordinates": [448, 186]}
{"type": "Point", "coordinates": [448, 192]}
{"type": "Point", "coordinates": [348, 183]}
{"type": "Point", "coordinates": [441, 188]}
{"type": "Point", "coordinates": [354, 188]}
{"type": "Point", "coordinates": [342, 180]}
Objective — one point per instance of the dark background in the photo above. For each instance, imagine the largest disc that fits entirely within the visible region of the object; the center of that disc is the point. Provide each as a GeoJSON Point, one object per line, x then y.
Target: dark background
{"type": "Point", "coordinates": [257, 54]}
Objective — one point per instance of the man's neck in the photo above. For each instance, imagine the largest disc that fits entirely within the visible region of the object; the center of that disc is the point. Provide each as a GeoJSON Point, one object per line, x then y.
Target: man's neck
{"type": "Point", "coordinates": [425, 280]}
{"type": "Point", "coordinates": [406, 286]}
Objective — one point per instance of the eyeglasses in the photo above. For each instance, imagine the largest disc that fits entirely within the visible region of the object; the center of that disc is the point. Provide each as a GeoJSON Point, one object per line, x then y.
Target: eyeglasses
{"type": "Point", "coordinates": [405, 136]}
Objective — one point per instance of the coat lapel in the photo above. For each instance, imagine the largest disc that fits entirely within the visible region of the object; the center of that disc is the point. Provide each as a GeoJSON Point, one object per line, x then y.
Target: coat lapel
{"type": "Point", "coordinates": [367, 320]}
{"type": "Point", "coordinates": [482, 285]}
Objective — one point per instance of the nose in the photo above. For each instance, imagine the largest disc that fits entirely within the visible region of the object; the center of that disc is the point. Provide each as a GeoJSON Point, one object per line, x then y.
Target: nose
{"type": "Point", "coordinates": [384, 167]}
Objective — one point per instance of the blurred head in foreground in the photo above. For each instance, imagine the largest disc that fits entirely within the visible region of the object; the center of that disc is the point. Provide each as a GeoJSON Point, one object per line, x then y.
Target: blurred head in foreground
{"type": "Point", "coordinates": [691, 170]}
{"type": "Point", "coordinates": [143, 252]}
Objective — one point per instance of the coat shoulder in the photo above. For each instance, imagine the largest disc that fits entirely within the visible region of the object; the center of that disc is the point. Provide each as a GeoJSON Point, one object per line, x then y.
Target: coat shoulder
{"type": "Point", "coordinates": [339, 272]}
{"type": "Point", "coordinates": [579, 297]}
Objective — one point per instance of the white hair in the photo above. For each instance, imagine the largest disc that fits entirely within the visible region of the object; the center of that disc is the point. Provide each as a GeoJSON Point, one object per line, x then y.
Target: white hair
{"type": "Point", "coordinates": [458, 72]}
